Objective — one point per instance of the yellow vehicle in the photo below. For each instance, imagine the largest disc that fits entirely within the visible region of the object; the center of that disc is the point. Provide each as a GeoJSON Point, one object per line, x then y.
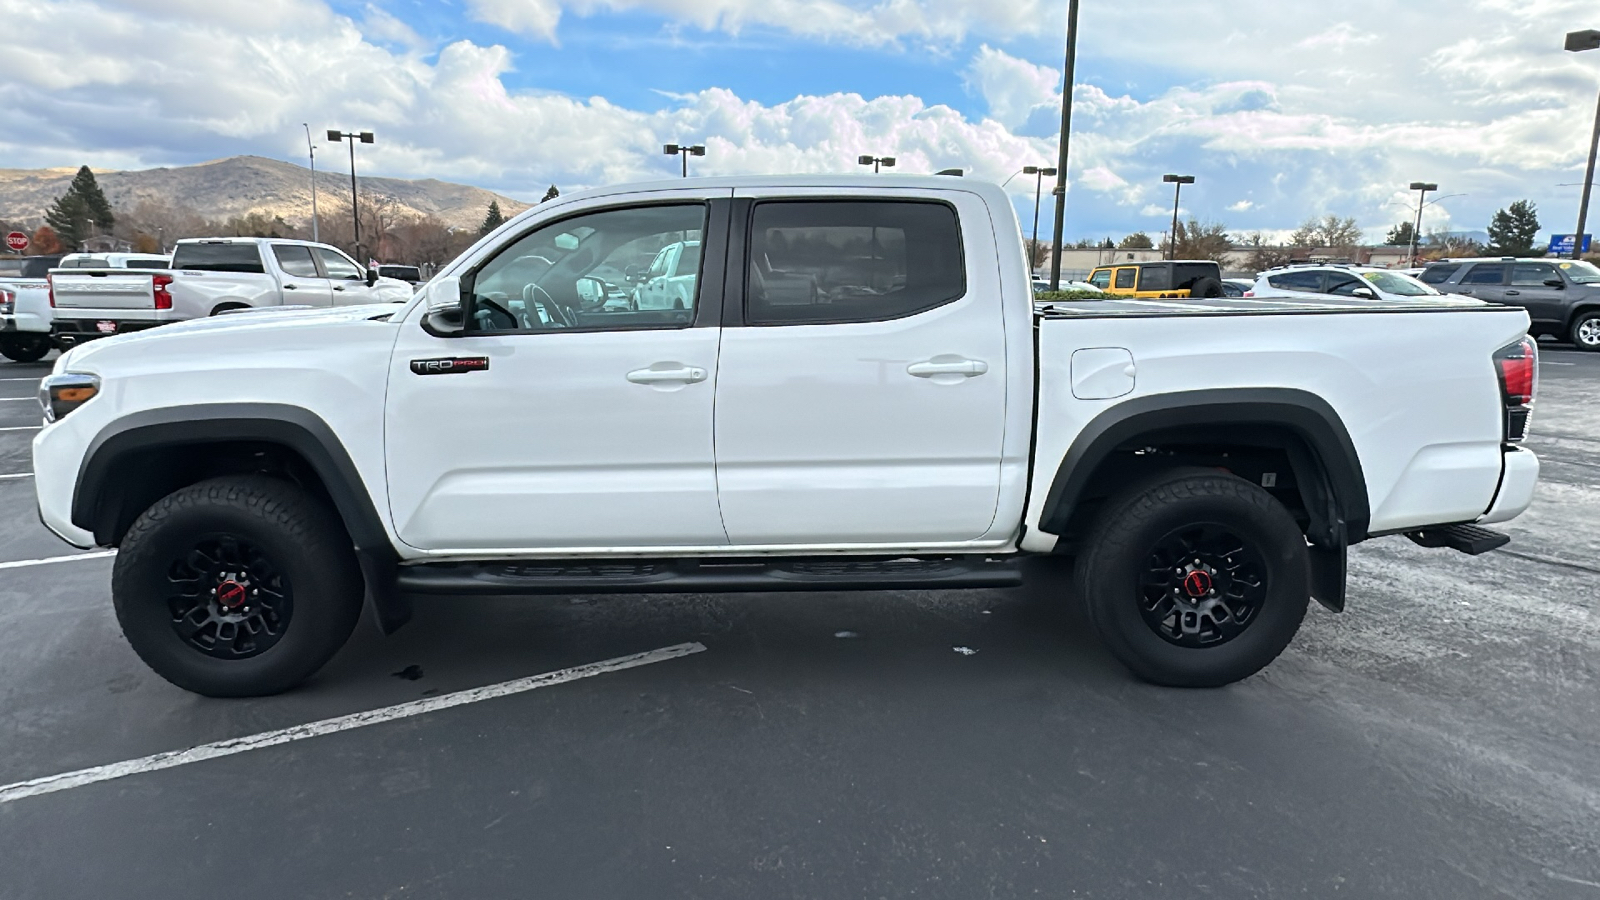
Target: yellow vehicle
{"type": "Point", "coordinates": [1160, 280]}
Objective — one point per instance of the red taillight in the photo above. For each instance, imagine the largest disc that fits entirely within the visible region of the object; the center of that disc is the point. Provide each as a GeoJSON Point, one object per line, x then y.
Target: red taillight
{"type": "Point", "coordinates": [1249, 293]}
{"type": "Point", "coordinates": [1518, 367]}
{"type": "Point", "coordinates": [50, 282]}
{"type": "Point", "coordinates": [158, 289]}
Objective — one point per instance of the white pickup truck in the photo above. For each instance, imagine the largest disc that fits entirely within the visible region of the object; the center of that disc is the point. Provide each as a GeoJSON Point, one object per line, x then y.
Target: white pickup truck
{"type": "Point", "coordinates": [210, 276]}
{"type": "Point", "coordinates": [25, 306]}
{"type": "Point", "coordinates": [917, 424]}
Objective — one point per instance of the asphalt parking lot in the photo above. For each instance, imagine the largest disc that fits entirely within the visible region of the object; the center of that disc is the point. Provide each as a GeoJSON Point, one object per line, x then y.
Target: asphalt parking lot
{"type": "Point", "coordinates": [1441, 739]}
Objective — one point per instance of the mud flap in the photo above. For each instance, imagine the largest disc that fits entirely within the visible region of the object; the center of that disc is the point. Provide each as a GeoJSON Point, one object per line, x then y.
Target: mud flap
{"type": "Point", "coordinates": [380, 569]}
{"type": "Point", "coordinates": [1328, 571]}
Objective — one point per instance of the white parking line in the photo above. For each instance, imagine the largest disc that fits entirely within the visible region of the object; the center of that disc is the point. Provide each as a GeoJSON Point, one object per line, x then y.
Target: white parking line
{"type": "Point", "coordinates": [155, 763]}
{"type": "Point", "coordinates": [24, 563]}
{"type": "Point", "coordinates": [40, 378]}
{"type": "Point", "coordinates": [18, 475]}
{"type": "Point", "coordinates": [22, 428]}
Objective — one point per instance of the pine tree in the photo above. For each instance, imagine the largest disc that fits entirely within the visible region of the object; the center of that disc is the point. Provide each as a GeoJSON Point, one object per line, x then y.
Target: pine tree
{"type": "Point", "coordinates": [1400, 235]}
{"type": "Point", "coordinates": [1513, 231]}
{"type": "Point", "coordinates": [551, 194]}
{"type": "Point", "coordinates": [85, 186]}
{"type": "Point", "coordinates": [493, 220]}
{"type": "Point", "coordinates": [69, 217]}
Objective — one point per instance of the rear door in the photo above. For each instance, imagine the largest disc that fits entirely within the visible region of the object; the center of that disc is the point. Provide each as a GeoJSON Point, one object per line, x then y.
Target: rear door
{"type": "Point", "coordinates": [303, 284]}
{"type": "Point", "coordinates": [861, 392]}
{"type": "Point", "coordinates": [1545, 304]}
{"type": "Point", "coordinates": [1486, 281]}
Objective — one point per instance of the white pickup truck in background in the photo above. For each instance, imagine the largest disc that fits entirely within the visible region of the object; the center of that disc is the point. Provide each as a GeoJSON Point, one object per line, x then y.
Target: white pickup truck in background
{"type": "Point", "coordinates": [859, 393]}
{"type": "Point", "coordinates": [25, 306]}
{"type": "Point", "coordinates": [210, 276]}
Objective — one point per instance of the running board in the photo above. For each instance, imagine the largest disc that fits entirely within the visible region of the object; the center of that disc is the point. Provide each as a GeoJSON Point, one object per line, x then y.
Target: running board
{"type": "Point", "coordinates": [1472, 540]}
{"type": "Point", "coordinates": [686, 575]}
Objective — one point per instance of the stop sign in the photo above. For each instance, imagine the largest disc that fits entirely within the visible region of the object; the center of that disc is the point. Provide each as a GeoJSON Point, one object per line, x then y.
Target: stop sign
{"type": "Point", "coordinates": [17, 241]}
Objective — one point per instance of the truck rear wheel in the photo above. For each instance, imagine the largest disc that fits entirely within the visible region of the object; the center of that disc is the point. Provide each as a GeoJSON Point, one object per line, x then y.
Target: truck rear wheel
{"type": "Point", "coordinates": [1198, 579]}
{"type": "Point", "coordinates": [24, 348]}
{"type": "Point", "coordinates": [237, 586]}
{"type": "Point", "coordinates": [1585, 331]}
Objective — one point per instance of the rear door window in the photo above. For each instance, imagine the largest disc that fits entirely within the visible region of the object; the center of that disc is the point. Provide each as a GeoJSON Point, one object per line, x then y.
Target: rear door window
{"type": "Point", "coordinates": [218, 257]}
{"type": "Point", "coordinates": [1125, 277]}
{"type": "Point", "coordinates": [1345, 285]}
{"type": "Point", "coordinates": [295, 260]}
{"type": "Point", "coordinates": [1493, 273]}
{"type": "Point", "coordinates": [838, 261]}
{"type": "Point", "coordinates": [1306, 282]}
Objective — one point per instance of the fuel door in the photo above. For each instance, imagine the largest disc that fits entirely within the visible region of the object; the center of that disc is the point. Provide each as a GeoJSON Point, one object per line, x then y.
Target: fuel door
{"type": "Point", "coordinates": [1101, 373]}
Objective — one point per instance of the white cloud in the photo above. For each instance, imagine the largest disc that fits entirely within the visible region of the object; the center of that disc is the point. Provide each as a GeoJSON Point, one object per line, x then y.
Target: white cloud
{"type": "Point", "coordinates": [1241, 206]}
{"type": "Point", "coordinates": [844, 21]}
{"type": "Point", "coordinates": [1013, 88]}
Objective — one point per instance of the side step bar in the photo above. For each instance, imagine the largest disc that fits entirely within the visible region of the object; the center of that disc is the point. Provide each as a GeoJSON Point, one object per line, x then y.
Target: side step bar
{"type": "Point", "coordinates": [679, 576]}
{"type": "Point", "coordinates": [1469, 539]}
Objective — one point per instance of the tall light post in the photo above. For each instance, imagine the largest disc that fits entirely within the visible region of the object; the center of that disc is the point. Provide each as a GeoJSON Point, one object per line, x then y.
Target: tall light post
{"type": "Point", "coordinates": [1177, 182]}
{"type": "Point", "coordinates": [1069, 70]}
{"type": "Point", "coordinates": [364, 137]}
{"type": "Point", "coordinates": [1039, 173]}
{"type": "Point", "coordinates": [1422, 188]}
{"type": "Point", "coordinates": [684, 151]}
{"type": "Point", "coordinates": [313, 148]}
{"type": "Point", "coordinates": [1577, 42]}
{"type": "Point", "coordinates": [875, 161]}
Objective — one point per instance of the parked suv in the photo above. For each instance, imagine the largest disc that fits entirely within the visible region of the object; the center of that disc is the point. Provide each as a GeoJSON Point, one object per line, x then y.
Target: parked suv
{"type": "Point", "coordinates": [1162, 279]}
{"type": "Point", "coordinates": [1562, 296]}
{"type": "Point", "coordinates": [1336, 280]}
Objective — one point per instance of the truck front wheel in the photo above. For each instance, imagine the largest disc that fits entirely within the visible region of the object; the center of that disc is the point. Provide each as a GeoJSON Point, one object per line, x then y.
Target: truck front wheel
{"type": "Point", "coordinates": [237, 586]}
{"type": "Point", "coordinates": [1197, 579]}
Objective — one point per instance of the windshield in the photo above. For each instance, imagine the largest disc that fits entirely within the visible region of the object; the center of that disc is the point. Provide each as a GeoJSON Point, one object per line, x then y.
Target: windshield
{"type": "Point", "coordinates": [1581, 272]}
{"type": "Point", "coordinates": [1401, 285]}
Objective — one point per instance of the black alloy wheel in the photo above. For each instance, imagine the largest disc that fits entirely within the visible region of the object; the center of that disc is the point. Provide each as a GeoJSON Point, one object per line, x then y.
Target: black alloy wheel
{"type": "Point", "coordinates": [227, 599]}
{"type": "Point", "coordinates": [1203, 587]}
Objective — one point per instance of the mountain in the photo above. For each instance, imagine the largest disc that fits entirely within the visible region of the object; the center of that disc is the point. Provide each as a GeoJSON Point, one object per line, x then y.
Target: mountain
{"type": "Point", "coordinates": [240, 185]}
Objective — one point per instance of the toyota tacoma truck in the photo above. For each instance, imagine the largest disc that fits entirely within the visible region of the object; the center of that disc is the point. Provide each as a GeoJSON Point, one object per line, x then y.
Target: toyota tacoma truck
{"type": "Point", "coordinates": [909, 420]}
{"type": "Point", "coordinates": [209, 276]}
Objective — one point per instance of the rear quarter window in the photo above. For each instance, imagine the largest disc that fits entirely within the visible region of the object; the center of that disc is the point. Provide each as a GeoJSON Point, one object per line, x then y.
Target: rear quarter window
{"type": "Point", "coordinates": [1437, 274]}
{"type": "Point", "coordinates": [1155, 278]}
{"type": "Point", "coordinates": [1309, 282]}
{"type": "Point", "coordinates": [241, 258]}
{"type": "Point", "coordinates": [1184, 275]}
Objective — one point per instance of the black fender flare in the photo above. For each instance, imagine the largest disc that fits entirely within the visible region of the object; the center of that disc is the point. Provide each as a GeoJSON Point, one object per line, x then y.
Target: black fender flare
{"type": "Point", "coordinates": [95, 500]}
{"type": "Point", "coordinates": [1302, 413]}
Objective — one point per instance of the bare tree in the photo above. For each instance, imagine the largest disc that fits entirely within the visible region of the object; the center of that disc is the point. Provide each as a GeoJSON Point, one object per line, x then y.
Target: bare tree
{"type": "Point", "coordinates": [1200, 240]}
{"type": "Point", "coordinates": [1329, 232]}
{"type": "Point", "coordinates": [1265, 255]}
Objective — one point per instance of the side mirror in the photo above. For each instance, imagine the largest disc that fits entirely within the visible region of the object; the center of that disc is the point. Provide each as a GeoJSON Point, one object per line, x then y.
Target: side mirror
{"type": "Point", "coordinates": [446, 314]}
{"type": "Point", "coordinates": [591, 292]}
{"type": "Point", "coordinates": [1364, 293]}
{"type": "Point", "coordinates": [372, 277]}
{"type": "Point", "coordinates": [631, 273]}
{"type": "Point", "coordinates": [1555, 283]}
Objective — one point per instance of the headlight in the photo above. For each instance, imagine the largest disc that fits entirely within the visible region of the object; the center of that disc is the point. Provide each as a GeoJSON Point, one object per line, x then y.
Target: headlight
{"type": "Point", "coordinates": [61, 394]}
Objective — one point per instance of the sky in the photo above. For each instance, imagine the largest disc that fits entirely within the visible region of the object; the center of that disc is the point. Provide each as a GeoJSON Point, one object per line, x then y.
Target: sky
{"type": "Point", "coordinates": [1282, 109]}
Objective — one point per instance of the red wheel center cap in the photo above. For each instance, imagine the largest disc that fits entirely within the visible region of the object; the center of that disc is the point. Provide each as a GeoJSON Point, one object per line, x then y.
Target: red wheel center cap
{"type": "Point", "coordinates": [230, 594]}
{"type": "Point", "coordinates": [1197, 583]}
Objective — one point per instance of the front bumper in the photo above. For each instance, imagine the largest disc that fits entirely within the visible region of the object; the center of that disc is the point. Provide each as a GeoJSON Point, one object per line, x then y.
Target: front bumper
{"type": "Point", "coordinates": [1519, 476]}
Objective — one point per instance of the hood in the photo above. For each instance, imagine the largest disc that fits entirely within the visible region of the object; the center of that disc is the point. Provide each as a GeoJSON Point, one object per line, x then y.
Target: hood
{"type": "Point", "coordinates": [279, 325]}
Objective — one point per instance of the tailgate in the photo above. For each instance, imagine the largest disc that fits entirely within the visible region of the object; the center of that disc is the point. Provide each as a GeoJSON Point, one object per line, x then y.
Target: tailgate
{"type": "Point", "coordinates": [107, 289]}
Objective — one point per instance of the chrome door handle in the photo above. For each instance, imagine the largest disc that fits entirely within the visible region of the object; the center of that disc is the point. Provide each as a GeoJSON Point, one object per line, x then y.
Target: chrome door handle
{"type": "Point", "coordinates": [685, 374]}
{"type": "Point", "coordinates": [930, 368]}
{"type": "Point", "coordinates": [288, 287]}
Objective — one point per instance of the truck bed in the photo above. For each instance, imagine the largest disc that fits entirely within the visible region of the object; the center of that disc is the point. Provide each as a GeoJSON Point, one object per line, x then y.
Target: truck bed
{"type": "Point", "coordinates": [1253, 306]}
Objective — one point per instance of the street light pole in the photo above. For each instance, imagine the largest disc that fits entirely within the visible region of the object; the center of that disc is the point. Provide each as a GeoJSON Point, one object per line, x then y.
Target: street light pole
{"type": "Point", "coordinates": [1422, 188]}
{"type": "Point", "coordinates": [313, 148]}
{"type": "Point", "coordinates": [1577, 42]}
{"type": "Point", "coordinates": [1177, 182]}
{"type": "Point", "coordinates": [1038, 173]}
{"type": "Point", "coordinates": [1068, 75]}
{"type": "Point", "coordinates": [875, 161]}
{"type": "Point", "coordinates": [685, 151]}
{"type": "Point", "coordinates": [364, 137]}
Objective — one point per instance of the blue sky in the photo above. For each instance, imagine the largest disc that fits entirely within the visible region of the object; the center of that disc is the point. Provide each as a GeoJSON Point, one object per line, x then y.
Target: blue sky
{"type": "Point", "coordinates": [1283, 110]}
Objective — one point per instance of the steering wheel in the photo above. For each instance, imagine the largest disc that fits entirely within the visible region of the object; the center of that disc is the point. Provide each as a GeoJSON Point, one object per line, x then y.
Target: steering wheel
{"type": "Point", "coordinates": [565, 317]}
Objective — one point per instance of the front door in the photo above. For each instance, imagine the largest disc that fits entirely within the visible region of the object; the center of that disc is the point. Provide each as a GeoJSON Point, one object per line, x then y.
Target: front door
{"type": "Point", "coordinates": [863, 398]}
{"type": "Point", "coordinates": [349, 280]}
{"type": "Point", "coordinates": [560, 421]}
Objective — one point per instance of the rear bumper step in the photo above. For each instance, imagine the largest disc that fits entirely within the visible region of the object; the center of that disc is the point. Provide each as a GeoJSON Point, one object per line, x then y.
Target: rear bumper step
{"type": "Point", "coordinates": [1472, 540]}
{"type": "Point", "coordinates": [673, 576]}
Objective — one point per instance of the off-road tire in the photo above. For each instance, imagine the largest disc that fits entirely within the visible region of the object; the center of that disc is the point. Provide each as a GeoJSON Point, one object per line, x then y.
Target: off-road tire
{"type": "Point", "coordinates": [302, 539]}
{"type": "Point", "coordinates": [1113, 564]}
{"type": "Point", "coordinates": [1585, 331]}
{"type": "Point", "coordinates": [1206, 288]}
{"type": "Point", "coordinates": [25, 348]}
